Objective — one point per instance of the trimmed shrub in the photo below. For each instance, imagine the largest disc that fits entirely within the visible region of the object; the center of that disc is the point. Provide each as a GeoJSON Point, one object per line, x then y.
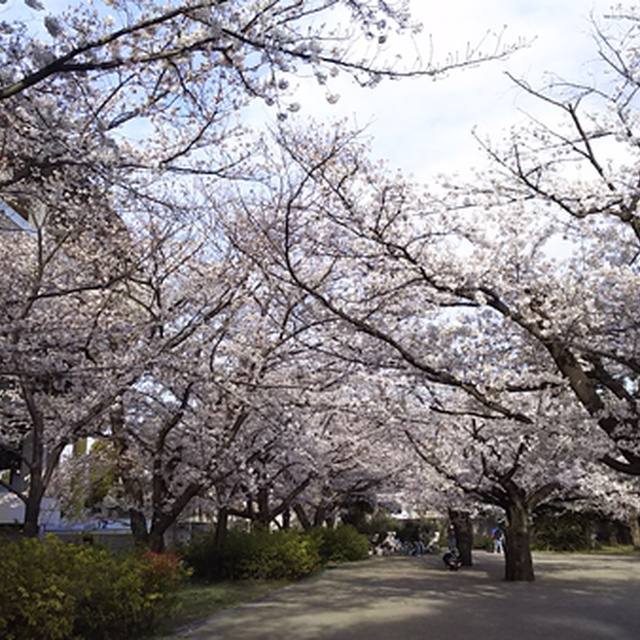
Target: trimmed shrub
{"type": "Point", "coordinates": [277, 555]}
{"type": "Point", "coordinates": [343, 544]}
{"type": "Point", "coordinates": [265, 555]}
{"type": "Point", "coordinates": [53, 591]}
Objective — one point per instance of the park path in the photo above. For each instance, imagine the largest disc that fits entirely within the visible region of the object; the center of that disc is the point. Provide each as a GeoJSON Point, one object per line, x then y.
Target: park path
{"type": "Point", "coordinates": [574, 597]}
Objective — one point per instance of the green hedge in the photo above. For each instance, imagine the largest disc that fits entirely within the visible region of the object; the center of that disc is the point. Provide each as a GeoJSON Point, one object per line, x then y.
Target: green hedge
{"type": "Point", "coordinates": [53, 591]}
{"type": "Point", "coordinates": [264, 555]}
{"type": "Point", "coordinates": [343, 544]}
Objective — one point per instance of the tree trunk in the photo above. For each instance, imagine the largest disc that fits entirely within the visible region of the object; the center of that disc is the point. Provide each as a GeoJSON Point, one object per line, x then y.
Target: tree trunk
{"type": "Point", "coordinates": [461, 521]}
{"type": "Point", "coordinates": [219, 538]}
{"type": "Point", "coordinates": [162, 520]}
{"type": "Point", "coordinates": [156, 540]}
{"type": "Point", "coordinates": [518, 561]}
{"type": "Point", "coordinates": [33, 505]}
{"type": "Point", "coordinates": [138, 527]}
{"type": "Point", "coordinates": [634, 527]}
{"type": "Point", "coordinates": [263, 516]}
{"type": "Point", "coordinates": [302, 516]}
{"type": "Point", "coordinates": [220, 534]}
{"type": "Point", "coordinates": [612, 534]}
{"type": "Point", "coordinates": [319, 516]}
{"type": "Point", "coordinates": [33, 453]}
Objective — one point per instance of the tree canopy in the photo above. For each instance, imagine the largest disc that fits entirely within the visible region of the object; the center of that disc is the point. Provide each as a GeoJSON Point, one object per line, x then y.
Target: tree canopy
{"type": "Point", "coordinates": [272, 321]}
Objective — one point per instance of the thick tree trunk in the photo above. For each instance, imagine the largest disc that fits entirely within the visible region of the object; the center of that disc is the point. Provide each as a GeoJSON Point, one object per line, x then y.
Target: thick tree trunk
{"type": "Point", "coordinates": [220, 534]}
{"type": "Point", "coordinates": [138, 527]}
{"type": "Point", "coordinates": [461, 521]}
{"type": "Point", "coordinates": [33, 505]}
{"type": "Point", "coordinates": [518, 561]}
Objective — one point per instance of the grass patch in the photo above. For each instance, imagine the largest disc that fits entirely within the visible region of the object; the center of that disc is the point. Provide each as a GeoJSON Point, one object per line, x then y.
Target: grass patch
{"type": "Point", "coordinates": [200, 601]}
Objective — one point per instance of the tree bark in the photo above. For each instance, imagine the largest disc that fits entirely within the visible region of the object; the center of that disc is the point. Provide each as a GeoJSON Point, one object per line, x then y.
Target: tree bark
{"type": "Point", "coordinates": [33, 505]}
{"type": "Point", "coordinates": [634, 527]}
{"type": "Point", "coordinates": [302, 516]}
{"type": "Point", "coordinates": [33, 453]}
{"type": "Point", "coordinates": [220, 534]}
{"type": "Point", "coordinates": [263, 515]}
{"type": "Point", "coordinates": [518, 560]}
{"type": "Point", "coordinates": [138, 527]}
{"type": "Point", "coordinates": [286, 519]}
{"type": "Point", "coordinates": [461, 521]}
{"type": "Point", "coordinates": [162, 520]}
{"type": "Point", "coordinates": [319, 516]}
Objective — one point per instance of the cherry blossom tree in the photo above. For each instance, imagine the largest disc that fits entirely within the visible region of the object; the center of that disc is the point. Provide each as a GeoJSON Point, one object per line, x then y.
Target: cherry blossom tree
{"type": "Point", "coordinates": [171, 80]}
{"type": "Point", "coordinates": [521, 283]}
{"type": "Point", "coordinates": [456, 305]}
{"type": "Point", "coordinates": [68, 345]}
{"type": "Point", "coordinates": [574, 294]}
{"type": "Point", "coordinates": [102, 115]}
{"type": "Point", "coordinates": [517, 470]}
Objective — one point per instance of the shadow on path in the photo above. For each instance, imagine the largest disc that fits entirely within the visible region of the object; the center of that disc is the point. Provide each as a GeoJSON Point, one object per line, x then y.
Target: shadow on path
{"type": "Point", "coordinates": [574, 597]}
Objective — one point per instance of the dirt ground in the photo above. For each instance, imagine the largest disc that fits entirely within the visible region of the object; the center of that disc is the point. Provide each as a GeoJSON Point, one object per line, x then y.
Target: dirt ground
{"type": "Point", "coordinates": [574, 597]}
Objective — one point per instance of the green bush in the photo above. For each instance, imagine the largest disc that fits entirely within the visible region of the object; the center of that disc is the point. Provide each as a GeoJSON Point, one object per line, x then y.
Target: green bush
{"type": "Point", "coordinates": [35, 592]}
{"type": "Point", "coordinates": [265, 555]}
{"type": "Point", "coordinates": [483, 541]}
{"type": "Point", "coordinates": [343, 544]}
{"type": "Point", "coordinates": [561, 531]}
{"type": "Point", "coordinates": [204, 558]}
{"type": "Point", "coordinates": [53, 591]}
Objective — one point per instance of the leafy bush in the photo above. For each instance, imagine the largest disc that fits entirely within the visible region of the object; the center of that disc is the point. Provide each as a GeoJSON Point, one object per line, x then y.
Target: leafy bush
{"type": "Point", "coordinates": [268, 555]}
{"type": "Point", "coordinates": [483, 541]}
{"type": "Point", "coordinates": [343, 544]}
{"type": "Point", "coordinates": [53, 591]}
{"type": "Point", "coordinates": [36, 597]}
{"type": "Point", "coordinates": [264, 555]}
{"type": "Point", "coordinates": [561, 531]}
{"type": "Point", "coordinates": [204, 558]}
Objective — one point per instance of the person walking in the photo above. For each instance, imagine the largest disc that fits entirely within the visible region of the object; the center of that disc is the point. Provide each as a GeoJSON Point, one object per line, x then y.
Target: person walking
{"type": "Point", "coordinates": [498, 540]}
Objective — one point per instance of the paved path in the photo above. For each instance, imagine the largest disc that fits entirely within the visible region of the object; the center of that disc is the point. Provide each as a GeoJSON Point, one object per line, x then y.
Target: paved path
{"type": "Point", "coordinates": [402, 598]}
